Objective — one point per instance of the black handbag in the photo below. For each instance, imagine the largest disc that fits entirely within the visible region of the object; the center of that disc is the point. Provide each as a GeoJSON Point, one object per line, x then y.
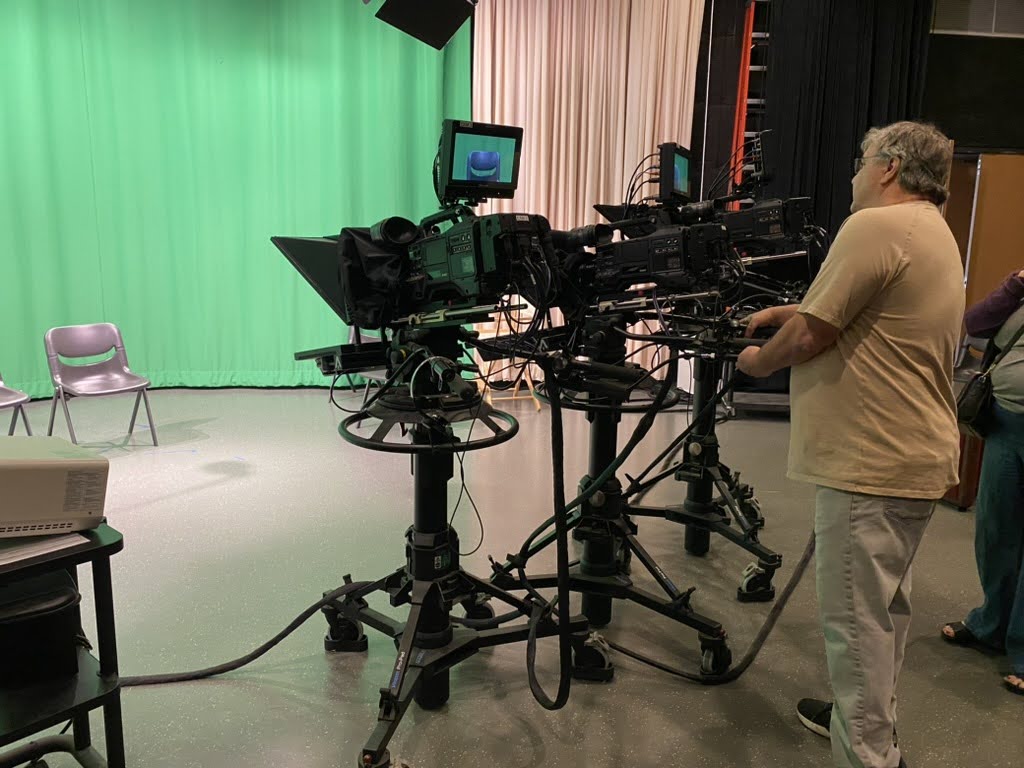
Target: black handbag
{"type": "Point", "coordinates": [974, 405]}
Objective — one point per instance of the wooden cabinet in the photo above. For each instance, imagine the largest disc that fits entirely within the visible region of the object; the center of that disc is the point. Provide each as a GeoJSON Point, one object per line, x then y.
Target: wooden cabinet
{"type": "Point", "coordinates": [994, 243]}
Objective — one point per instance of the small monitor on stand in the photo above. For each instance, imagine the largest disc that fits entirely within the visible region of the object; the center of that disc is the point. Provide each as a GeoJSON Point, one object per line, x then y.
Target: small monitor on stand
{"type": "Point", "coordinates": [478, 161]}
{"type": "Point", "coordinates": [674, 185]}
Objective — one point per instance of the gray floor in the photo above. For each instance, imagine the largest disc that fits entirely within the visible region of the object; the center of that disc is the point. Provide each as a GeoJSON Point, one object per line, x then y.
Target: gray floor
{"type": "Point", "coordinates": [252, 506]}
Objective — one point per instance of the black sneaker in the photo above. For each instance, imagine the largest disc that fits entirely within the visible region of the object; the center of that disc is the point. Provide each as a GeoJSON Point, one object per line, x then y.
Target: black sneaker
{"type": "Point", "coordinates": [815, 715]}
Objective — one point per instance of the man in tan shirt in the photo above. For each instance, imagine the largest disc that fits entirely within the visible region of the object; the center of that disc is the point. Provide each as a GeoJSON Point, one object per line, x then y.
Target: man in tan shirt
{"type": "Point", "coordinates": [873, 421]}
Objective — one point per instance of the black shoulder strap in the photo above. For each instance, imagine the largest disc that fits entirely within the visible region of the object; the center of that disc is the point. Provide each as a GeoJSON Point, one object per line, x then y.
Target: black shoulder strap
{"type": "Point", "coordinates": [1010, 345]}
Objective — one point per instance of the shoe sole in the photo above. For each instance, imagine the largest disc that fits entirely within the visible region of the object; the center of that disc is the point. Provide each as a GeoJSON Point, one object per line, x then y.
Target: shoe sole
{"type": "Point", "coordinates": [813, 727]}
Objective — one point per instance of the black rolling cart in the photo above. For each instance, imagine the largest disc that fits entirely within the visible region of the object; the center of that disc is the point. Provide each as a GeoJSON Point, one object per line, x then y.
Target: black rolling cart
{"type": "Point", "coordinates": [34, 708]}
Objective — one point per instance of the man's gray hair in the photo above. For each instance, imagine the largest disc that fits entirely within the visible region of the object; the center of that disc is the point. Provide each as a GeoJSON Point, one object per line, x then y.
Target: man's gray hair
{"type": "Point", "coordinates": [925, 156]}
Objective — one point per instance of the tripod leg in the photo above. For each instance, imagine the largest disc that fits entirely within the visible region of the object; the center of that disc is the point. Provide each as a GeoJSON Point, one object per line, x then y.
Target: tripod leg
{"type": "Point", "coordinates": [652, 567]}
{"type": "Point", "coordinates": [375, 752]}
{"type": "Point", "coordinates": [730, 501]}
{"type": "Point", "coordinates": [748, 539]}
{"type": "Point", "coordinates": [481, 587]}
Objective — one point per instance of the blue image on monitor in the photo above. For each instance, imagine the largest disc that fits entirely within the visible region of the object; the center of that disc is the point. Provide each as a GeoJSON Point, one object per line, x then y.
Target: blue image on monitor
{"type": "Point", "coordinates": [681, 174]}
{"type": "Point", "coordinates": [482, 158]}
{"type": "Point", "coordinates": [483, 166]}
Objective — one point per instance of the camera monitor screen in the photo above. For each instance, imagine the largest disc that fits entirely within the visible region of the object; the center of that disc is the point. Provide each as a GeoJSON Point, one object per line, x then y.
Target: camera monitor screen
{"type": "Point", "coordinates": [674, 174]}
{"type": "Point", "coordinates": [479, 160]}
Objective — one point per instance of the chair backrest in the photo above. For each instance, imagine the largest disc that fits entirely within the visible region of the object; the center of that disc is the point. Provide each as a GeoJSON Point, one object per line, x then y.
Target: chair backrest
{"type": "Point", "coordinates": [356, 334]}
{"type": "Point", "coordinates": [73, 341]}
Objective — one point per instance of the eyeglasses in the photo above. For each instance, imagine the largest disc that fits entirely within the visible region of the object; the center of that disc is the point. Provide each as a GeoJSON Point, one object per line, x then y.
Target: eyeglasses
{"type": "Point", "coordinates": [858, 162]}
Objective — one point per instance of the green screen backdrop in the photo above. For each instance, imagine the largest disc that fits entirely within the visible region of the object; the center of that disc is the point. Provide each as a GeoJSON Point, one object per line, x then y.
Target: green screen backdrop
{"type": "Point", "coordinates": [149, 150]}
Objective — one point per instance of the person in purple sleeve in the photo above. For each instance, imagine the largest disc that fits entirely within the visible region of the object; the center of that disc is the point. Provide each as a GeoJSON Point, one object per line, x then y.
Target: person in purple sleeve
{"type": "Point", "coordinates": [999, 538]}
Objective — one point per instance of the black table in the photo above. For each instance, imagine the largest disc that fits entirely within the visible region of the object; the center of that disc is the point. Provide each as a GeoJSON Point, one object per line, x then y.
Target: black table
{"type": "Point", "coordinates": [26, 711]}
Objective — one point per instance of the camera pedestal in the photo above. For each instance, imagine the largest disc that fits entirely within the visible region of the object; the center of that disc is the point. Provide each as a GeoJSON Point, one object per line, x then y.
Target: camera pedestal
{"type": "Point", "coordinates": [431, 582]}
{"type": "Point", "coordinates": [610, 545]}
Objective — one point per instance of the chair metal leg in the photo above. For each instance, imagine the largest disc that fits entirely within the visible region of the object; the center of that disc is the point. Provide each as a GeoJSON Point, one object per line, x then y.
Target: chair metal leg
{"type": "Point", "coordinates": [24, 418]}
{"type": "Point", "coordinates": [53, 413]}
{"type": "Point", "coordinates": [149, 415]}
{"type": "Point", "coordinates": [135, 412]}
{"type": "Point", "coordinates": [67, 416]}
{"type": "Point", "coordinates": [14, 421]}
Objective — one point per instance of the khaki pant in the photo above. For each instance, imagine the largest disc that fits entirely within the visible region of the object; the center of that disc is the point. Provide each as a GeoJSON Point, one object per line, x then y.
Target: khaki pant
{"type": "Point", "coordinates": [865, 546]}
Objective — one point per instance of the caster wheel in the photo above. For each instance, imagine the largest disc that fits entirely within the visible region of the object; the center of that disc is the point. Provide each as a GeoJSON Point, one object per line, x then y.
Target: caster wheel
{"type": "Point", "coordinates": [367, 761]}
{"type": "Point", "coordinates": [345, 636]}
{"type": "Point", "coordinates": [751, 509]}
{"type": "Point", "coordinates": [756, 586]}
{"type": "Point", "coordinates": [590, 661]}
{"type": "Point", "coordinates": [715, 659]}
{"type": "Point", "coordinates": [478, 609]}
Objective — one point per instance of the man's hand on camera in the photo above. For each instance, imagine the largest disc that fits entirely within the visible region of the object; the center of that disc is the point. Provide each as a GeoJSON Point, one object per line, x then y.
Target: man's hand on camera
{"type": "Point", "coordinates": [773, 317]}
{"type": "Point", "coordinates": [749, 363]}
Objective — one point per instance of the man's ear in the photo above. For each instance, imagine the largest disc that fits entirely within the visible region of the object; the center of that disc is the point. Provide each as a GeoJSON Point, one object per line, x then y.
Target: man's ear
{"type": "Point", "coordinates": [891, 171]}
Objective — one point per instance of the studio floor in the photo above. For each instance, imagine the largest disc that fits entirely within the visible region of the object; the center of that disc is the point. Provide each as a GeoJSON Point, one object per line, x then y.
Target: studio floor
{"type": "Point", "coordinates": [253, 506]}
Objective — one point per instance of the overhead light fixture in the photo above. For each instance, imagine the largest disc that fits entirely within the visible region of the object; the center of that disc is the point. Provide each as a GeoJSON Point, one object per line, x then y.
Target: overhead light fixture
{"type": "Point", "coordinates": [434, 22]}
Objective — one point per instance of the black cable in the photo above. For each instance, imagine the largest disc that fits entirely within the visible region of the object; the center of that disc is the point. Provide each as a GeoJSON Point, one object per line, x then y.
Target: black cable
{"type": "Point", "coordinates": [638, 350]}
{"type": "Point", "coordinates": [756, 644]}
{"type": "Point", "coordinates": [461, 456]}
{"type": "Point", "coordinates": [639, 432]}
{"type": "Point", "coordinates": [562, 554]}
{"type": "Point", "coordinates": [638, 485]}
{"type": "Point", "coordinates": [330, 395]}
{"type": "Point", "coordinates": [632, 176]}
{"type": "Point", "coordinates": [220, 669]}
{"type": "Point", "coordinates": [650, 372]}
{"type": "Point", "coordinates": [728, 166]}
{"type": "Point", "coordinates": [637, 182]}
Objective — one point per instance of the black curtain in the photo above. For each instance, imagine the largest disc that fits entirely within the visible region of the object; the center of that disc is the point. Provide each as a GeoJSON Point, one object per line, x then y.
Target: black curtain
{"type": "Point", "coordinates": [836, 68]}
{"type": "Point", "coordinates": [723, 31]}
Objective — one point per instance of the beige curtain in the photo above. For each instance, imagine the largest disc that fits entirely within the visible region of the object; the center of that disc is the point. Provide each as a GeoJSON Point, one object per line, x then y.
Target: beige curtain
{"type": "Point", "coordinates": [595, 84]}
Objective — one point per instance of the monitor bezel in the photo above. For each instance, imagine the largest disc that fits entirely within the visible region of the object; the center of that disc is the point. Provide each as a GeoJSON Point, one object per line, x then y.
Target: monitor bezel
{"type": "Point", "coordinates": [667, 192]}
{"type": "Point", "coordinates": [450, 189]}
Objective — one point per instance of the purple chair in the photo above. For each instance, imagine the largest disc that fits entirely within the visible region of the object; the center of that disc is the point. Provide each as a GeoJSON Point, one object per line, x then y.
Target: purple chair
{"type": "Point", "coordinates": [107, 377]}
{"type": "Point", "coordinates": [12, 398]}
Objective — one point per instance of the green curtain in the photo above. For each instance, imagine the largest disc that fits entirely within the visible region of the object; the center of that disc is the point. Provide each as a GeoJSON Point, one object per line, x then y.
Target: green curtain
{"type": "Point", "coordinates": [149, 149]}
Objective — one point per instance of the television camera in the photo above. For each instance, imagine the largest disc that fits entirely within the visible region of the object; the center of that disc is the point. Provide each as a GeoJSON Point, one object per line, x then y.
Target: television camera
{"type": "Point", "coordinates": [418, 286]}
